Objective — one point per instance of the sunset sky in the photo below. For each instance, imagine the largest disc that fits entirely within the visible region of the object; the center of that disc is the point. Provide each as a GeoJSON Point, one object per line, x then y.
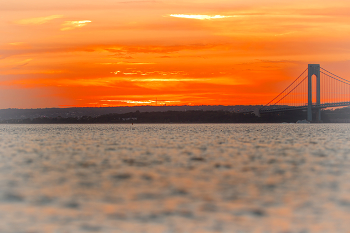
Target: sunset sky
{"type": "Point", "coordinates": [180, 52]}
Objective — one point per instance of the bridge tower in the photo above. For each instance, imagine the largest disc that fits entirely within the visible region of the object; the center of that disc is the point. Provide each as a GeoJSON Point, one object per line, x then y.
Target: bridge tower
{"type": "Point", "coordinates": [314, 69]}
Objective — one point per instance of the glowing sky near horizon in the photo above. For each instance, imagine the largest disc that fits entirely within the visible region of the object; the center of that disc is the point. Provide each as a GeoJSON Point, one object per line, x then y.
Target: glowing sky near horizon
{"type": "Point", "coordinates": [194, 52]}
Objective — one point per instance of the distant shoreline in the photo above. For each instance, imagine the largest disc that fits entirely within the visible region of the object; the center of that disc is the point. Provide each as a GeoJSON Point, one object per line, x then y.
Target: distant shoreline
{"type": "Point", "coordinates": [187, 117]}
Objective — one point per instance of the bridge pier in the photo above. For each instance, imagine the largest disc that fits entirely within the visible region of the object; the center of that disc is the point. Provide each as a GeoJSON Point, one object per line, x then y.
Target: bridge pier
{"type": "Point", "coordinates": [309, 113]}
{"type": "Point", "coordinates": [314, 69]}
{"type": "Point", "coordinates": [318, 115]}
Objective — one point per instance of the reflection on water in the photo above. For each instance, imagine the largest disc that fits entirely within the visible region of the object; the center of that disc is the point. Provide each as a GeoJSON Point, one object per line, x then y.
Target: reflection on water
{"type": "Point", "coordinates": [175, 178]}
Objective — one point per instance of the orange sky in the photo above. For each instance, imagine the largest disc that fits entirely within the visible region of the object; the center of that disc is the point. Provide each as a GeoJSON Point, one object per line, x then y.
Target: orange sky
{"type": "Point", "coordinates": [211, 52]}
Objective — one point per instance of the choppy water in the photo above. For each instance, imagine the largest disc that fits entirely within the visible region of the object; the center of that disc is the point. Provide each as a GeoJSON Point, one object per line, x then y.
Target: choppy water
{"type": "Point", "coordinates": [175, 178]}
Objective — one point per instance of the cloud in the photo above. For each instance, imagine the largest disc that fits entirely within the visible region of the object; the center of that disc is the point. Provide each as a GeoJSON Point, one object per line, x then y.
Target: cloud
{"type": "Point", "coordinates": [132, 2]}
{"type": "Point", "coordinates": [22, 64]}
{"type": "Point", "coordinates": [127, 63]}
{"type": "Point", "coordinates": [70, 25]}
{"type": "Point", "coordinates": [168, 80]}
{"type": "Point", "coordinates": [118, 51]}
{"type": "Point", "coordinates": [128, 101]}
{"type": "Point", "coordinates": [17, 43]}
{"type": "Point", "coordinates": [200, 17]}
{"type": "Point", "coordinates": [39, 20]}
{"type": "Point", "coordinates": [163, 49]}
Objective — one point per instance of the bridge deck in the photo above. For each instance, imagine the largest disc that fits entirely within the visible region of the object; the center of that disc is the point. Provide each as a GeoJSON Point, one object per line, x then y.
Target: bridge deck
{"type": "Point", "coordinates": [316, 106]}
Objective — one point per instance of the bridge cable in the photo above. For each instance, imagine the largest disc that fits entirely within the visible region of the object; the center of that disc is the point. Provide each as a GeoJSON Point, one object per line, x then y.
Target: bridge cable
{"type": "Point", "coordinates": [291, 90]}
{"type": "Point", "coordinates": [335, 75]}
{"type": "Point", "coordinates": [285, 89]}
{"type": "Point", "coordinates": [336, 79]}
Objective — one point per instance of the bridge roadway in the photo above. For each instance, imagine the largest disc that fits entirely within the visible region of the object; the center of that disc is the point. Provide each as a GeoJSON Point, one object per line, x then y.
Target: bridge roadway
{"type": "Point", "coordinates": [314, 106]}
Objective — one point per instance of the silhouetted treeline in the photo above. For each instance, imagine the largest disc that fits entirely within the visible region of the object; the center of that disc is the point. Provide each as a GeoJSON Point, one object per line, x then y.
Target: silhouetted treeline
{"type": "Point", "coordinates": [150, 117]}
{"type": "Point", "coordinates": [186, 117]}
{"type": "Point", "coordinates": [341, 115]}
{"type": "Point", "coordinates": [6, 114]}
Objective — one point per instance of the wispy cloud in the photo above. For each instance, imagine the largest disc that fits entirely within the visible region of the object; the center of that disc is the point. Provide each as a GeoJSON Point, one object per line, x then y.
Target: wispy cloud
{"type": "Point", "coordinates": [163, 49]}
{"type": "Point", "coordinates": [167, 80]}
{"type": "Point", "coordinates": [22, 64]}
{"type": "Point", "coordinates": [17, 43]}
{"type": "Point", "coordinates": [70, 25]}
{"type": "Point", "coordinates": [127, 63]}
{"type": "Point", "coordinates": [152, 73]}
{"type": "Point", "coordinates": [128, 101]}
{"type": "Point", "coordinates": [201, 17]}
{"type": "Point", "coordinates": [39, 20]}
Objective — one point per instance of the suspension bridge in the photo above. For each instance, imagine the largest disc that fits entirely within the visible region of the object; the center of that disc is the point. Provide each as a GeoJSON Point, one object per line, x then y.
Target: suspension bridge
{"type": "Point", "coordinates": [314, 89]}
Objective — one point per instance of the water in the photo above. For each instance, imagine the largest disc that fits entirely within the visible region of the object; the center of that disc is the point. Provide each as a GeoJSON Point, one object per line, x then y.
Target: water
{"type": "Point", "coordinates": [175, 178]}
